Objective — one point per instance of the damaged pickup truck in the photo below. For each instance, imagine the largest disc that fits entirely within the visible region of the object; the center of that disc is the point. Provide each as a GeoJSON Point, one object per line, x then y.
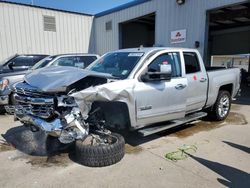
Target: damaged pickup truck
{"type": "Point", "coordinates": [130, 89]}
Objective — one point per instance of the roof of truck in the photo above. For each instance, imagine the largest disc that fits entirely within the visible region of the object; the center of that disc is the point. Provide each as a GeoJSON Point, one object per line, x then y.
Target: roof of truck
{"type": "Point", "coordinates": [150, 49]}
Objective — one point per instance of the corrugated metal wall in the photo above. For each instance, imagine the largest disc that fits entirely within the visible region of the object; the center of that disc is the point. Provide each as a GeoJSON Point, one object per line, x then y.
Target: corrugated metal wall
{"type": "Point", "coordinates": [21, 31]}
{"type": "Point", "coordinates": [109, 40]}
{"type": "Point", "coordinates": [169, 17]}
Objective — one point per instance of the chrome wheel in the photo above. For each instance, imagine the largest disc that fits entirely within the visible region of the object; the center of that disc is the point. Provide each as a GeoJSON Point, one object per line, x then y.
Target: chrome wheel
{"type": "Point", "coordinates": [224, 106]}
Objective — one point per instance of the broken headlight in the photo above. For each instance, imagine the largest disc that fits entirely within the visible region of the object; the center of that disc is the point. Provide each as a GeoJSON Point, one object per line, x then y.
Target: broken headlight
{"type": "Point", "coordinates": [66, 101]}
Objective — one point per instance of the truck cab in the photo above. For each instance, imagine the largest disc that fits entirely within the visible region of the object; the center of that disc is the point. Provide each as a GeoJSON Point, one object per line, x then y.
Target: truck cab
{"type": "Point", "coordinates": [171, 98]}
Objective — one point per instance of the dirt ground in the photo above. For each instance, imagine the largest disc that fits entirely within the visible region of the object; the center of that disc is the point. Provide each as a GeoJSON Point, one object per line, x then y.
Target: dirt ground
{"type": "Point", "coordinates": [221, 159]}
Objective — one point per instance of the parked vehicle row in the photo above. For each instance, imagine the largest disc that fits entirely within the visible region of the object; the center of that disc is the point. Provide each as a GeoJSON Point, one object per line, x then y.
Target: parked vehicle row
{"type": "Point", "coordinates": [14, 66]}
{"type": "Point", "coordinates": [130, 89]}
{"type": "Point", "coordinates": [20, 62]}
{"type": "Point", "coordinates": [14, 69]}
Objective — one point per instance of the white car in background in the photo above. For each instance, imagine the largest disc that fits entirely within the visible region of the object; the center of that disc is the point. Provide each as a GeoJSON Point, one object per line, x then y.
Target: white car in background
{"type": "Point", "coordinates": [71, 60]}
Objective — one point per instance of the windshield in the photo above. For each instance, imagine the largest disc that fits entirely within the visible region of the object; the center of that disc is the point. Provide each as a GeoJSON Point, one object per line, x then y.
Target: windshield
{"type": "Point", "coordinates": [43, 63]}
{"type": "Point", "coordinates": [6, 60]}
{"type": "Point", "coordinates": [118, 64]}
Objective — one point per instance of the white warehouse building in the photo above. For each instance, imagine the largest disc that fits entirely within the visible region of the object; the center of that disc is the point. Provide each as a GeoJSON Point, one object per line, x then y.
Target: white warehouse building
{"type": "Point", "coordinates": [39, 30]}
{"type": "Point", "coordinates": [214, 27]}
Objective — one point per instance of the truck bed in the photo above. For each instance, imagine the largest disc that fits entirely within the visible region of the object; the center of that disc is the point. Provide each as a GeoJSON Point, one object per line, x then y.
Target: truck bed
{"type": "Point", "coordinates": [221, 76]}
{"type": "Point", "coordinates": [214, 68]}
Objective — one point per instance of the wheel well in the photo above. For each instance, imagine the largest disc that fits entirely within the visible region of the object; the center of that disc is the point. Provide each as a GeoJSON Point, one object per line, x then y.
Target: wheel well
{"type": "Point", "coordinates": [228, 87]}
{"type": "Point", "coordinates": [115, 114]}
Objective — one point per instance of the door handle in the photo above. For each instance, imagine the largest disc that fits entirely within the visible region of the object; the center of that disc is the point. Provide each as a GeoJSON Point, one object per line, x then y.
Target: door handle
{"type": "Point", "coordinates": [203, 79]}
{"type": "Point", "coordinates": [180, 86]}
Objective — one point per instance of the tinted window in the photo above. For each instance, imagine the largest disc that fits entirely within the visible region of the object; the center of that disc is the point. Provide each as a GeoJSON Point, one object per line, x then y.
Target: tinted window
{"type": "Point", "coordinates": [169, 58]}
{"type": "Point", "coordinates": [20, 61]}
{"type": "Point", "coordinates": [87, 60]}
{"type": "Point", "coordinates": [191, 62]}
{"type": "Point", "coordinates": [118, 64]}
{"type": "Point", "coordinates": [65, 61]}
{"type": "Point", "coordinates": [74, 61]}
{"type": "Point", "coordinates": [43, 63]}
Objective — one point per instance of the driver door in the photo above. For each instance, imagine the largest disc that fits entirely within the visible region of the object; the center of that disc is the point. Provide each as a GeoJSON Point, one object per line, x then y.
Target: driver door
{"type": "Point", "coordinates": [163, 100]}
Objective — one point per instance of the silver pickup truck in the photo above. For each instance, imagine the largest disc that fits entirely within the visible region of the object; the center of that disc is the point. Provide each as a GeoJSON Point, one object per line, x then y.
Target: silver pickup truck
{"type": "Point", "coordinates": [132, 89]}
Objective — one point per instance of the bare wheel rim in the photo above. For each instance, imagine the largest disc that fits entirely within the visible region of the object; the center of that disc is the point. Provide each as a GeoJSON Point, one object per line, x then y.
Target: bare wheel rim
{"type": "Point", "coordinates": [223, 106]}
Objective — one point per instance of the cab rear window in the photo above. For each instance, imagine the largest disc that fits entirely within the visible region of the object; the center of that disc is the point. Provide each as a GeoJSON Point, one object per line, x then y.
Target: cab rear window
{"type": "Point", "coordinates": [191, 62]}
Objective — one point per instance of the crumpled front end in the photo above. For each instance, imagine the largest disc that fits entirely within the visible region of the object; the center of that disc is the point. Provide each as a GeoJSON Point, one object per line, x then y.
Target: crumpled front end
{"type": "Point", "coordinates": [71, 116]}
{"type": "Point", "coordinates": [58, 115]}
{"type": "Point", "coordinates": [118, 91]}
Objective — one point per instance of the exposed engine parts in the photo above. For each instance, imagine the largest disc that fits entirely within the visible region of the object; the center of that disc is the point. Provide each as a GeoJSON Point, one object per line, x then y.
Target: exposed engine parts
{"type": "Point", "coordinates": [65, 121]}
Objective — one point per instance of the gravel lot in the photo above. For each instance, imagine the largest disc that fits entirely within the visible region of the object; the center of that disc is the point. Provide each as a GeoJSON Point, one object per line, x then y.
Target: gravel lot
{"type": "Point", "coordinates": [221, 159]}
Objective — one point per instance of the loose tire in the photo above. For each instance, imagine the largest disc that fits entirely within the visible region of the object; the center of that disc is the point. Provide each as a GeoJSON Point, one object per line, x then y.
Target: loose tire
{"type": "Point", "coordinates": [222, 106]}
{"type": "Point", "coordinates": [100, 155]}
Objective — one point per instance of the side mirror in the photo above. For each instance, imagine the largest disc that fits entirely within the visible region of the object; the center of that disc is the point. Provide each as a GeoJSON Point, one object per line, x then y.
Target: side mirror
{"type": "Point", "coordinates": [166, 68]}
{"type": "Point", "coordinates": [164, 74]}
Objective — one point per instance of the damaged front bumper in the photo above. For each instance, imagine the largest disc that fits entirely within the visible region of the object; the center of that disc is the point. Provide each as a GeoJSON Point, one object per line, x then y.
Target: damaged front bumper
{"type": "Point", "coordinates": [52, 128]}
{"type": "Point", "coordinates": [67, 128]}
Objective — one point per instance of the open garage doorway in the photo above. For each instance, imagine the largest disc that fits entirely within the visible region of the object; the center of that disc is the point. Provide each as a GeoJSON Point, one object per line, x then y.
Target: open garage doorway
{"type": "Point", "coordinates": [138, 32]}
{"type": "Point", "coordinates": [229, 39]}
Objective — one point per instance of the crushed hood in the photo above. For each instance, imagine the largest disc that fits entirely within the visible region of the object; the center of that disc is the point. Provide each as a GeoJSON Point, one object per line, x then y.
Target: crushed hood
{"type": "Point", "coordinates": [58, 78]}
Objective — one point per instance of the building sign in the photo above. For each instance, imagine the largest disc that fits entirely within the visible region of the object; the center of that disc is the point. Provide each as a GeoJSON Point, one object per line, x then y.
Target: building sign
{"type": "Point", "coordinates": [178, 36]}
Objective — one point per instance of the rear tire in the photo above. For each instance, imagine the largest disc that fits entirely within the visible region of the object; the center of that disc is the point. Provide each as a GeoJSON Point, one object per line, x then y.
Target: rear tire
{"type": "Point", "coordinates": [100, 155]}
{"type": "Point", "coordinates": [221, 108]}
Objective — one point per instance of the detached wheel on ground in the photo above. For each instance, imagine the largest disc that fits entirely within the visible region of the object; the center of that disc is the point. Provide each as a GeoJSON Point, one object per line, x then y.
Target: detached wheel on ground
{"type": "Point", "coordinates": [222, 106]}
{"type": "Point", "coordinates": [100, 150]}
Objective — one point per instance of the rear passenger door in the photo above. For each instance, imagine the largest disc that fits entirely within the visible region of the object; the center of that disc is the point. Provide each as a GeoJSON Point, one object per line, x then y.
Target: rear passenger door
{"type": "Point", "coordinates": [197, 82]}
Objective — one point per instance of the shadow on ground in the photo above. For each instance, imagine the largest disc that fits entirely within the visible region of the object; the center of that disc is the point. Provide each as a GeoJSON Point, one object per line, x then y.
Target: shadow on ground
{"type": "Point", "coordinates": [232, 177]}
{"type": "Point", "coordinates": [42, 150]}
{"type": "Point", "coordinates": [33, 143]}
{"type": "Point", "coordinates": [237, 146]}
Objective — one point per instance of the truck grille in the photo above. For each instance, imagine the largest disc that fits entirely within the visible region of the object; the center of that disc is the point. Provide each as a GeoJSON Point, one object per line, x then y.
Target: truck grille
{"type": "Point", "coordinates": [30, 101]}
{"type": "Point", "coordinates": [45, 111]}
